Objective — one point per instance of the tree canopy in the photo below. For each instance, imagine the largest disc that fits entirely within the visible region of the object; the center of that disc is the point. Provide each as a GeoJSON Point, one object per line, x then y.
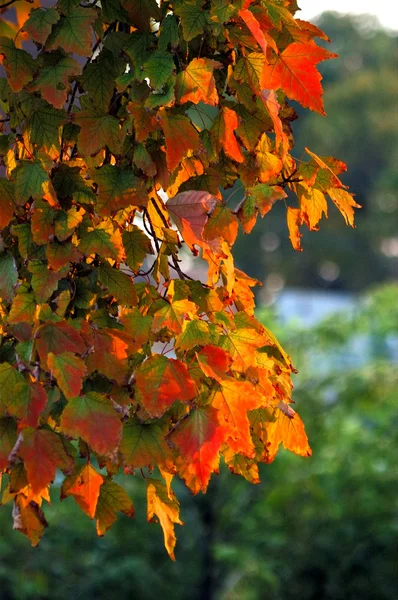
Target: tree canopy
{"type": "Point", "coordinates": [112, 358]}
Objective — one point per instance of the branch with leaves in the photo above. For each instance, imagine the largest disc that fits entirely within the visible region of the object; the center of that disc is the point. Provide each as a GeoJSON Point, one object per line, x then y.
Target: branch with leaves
{"type": "Point", "coordinates": [120, 159]}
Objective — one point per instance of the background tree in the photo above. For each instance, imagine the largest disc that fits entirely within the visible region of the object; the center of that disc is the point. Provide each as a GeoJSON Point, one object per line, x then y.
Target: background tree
{"type": "Point", "coordinates": [103, 122]}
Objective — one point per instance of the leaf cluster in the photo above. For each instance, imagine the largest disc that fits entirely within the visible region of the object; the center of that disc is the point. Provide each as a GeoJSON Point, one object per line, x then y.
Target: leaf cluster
{"type": "Point", "coordinates": [120, 135]}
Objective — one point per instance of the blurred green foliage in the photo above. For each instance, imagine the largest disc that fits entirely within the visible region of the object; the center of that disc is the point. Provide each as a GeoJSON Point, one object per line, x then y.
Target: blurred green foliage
{"type": "Point", "coordinates": [314, 529]}
{"type": "Point", "coordinates": [361, 128]}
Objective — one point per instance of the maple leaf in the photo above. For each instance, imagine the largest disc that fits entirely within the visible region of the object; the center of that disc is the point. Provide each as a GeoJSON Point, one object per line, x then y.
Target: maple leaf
{"type": "Point", "coordinates": [223, 136]}
{"type": "Point", "coordinates": [180, 135]}
{"type": "Point", "coordinates": [69, 371]}
{"type": "Point", "coordinates": [295, 219]}
{"type": "Point", "coordinates": [161, 381]}
{"type": "Point", "coordinates": [164, 506]}
{"type": "Point", "coordinates": [98, 130]}
{"type": "Point", "coordinates": [190, 211]}
{"type": "Point", "coordinates": [196, 83]}
{"type": "Point", "coordinates": [254, 27]}
{"type": "Point", "coordinates": [8, 438]}
{"type": "Point", "coordinates": [144, 445]}
{"type": "Point", "coordinates": [19, 64]}
{"type": "Point", "coordinates": [40, 22]}
{"type": "Point", "coordinates": [294, 71]}
{"type": "Point", "coordinates": [93, 418]}
{"type": "Point", "coordinates": [73, 32]}
{"type": "Point", "coordinates": [43, 452]}
{"type": "Point", "coordinates": [84, 485]}
{"type": "Point", "coordinates": [29, 519]}
{"type": "Point", "coordinates": [345, 203]}
{"type": "Point", "coordinates": [112, 499]}
{"type": "Point", "coordinates": [29, 401]}
{"type": "Point", "coordinates": [198, 438]}
{"type": "Point", "coordinates": [57, 338]}
{"type": "Point", "coordinates": [53, 80]}
{"type": "Point", "coordinates": [286, 429]}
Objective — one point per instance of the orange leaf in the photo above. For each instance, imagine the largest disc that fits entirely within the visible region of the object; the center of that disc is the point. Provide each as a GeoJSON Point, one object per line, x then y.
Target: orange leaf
{"type": "Point", "coordinates": [222, 133]}
{"type": "Point", "coordinates": [166, 509]}
{"type": "Point", "coordinates": [345, 203]}
{"type": "Point", "coordinates": [84, 485]}
{"type": "Point", "coordinates": [294, 221]}
{"type": "Point", "coordinates": [295, 73]}
{"type": "Point", "coordinates": [29, 519]}
{"type": "Point", "coordinates": [196, 83]}
{"type": "Point", "coordinates": [198, 438]}
{"type": "Point", "coordinates": [233, 401]}
{"type": "Point", "coordinates": [287, 429]}
{"type": "Point", "coordinates": [254, 28]}
{"type": "Point", "coordinates": [180, 135]}
{"type": "Point", "coordinates": [161, 381]}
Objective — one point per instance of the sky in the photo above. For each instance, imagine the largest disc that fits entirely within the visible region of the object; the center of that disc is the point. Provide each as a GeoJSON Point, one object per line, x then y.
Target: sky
{"type": "Point", "coordinates": [385, 10]}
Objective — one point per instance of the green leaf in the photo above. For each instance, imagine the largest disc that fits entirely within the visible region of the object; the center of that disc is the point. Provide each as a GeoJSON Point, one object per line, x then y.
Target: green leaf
{"type": "Point", "coordinates": [73, 32]}
{"type": "Point", "coordinates": [99, 79]}
{"type": "Point", "coordinates": [98, 241]}
{"type": "Point", "coordinates": [118, 284]}
{"type": "Point", "coordinates": [117, 188]}
{"type": "Point", "coordinates": [9, 378]}
{"type": "Point", "coordinates": [53, 80]}
{"type": "Point", "coordinates": [93, 418]}
{"type": "Point", "coordinates": [158, 68]}
{"type": "Point", "coordinates": [30, 178]}
{"type": "Point", "coordinates": [8, 276]}
{"type": "Point", "coordinates": [19, 64]}
{"type": "Point", "coordinates": [168, 34]}
{"type": "Point", "coordinates": [43, 126]}
{"type": "Point", "coordinates": [44, 281]}
{"type": "Point", "coordinates": [137, 246]}
{"type": "Point", "coordinates": [40, 23]}
{"type": "Point", "coordinates": [193, 18]}
{"type": "Point", "coordinates": [194, 333]}
{"type": "Point", "coordinates": [8, 437]}
{"type": "Point", "coordinates": [112, 499]}
{"type": "Point", "coordinates": [144, 445]}
{"type": "Point", "coordinates": [23, 307]}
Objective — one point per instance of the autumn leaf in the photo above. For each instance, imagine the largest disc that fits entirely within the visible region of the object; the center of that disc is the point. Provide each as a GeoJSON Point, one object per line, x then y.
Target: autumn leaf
{"type": "Point", "coordinates": [93, 418]}
{"type": "Point", "coordinates": [29, 519]}
{"type": "Point", "coordinates": [180, 136]}
{"type": "Point", "coordinates": [161, 381]}
{"type": "Point", "coordinates": [84, 485]}
{"type": "Point", "coordinates": [112, 499]}
{"type": "Point", "coordinates": [196, 83]}
{"type": "Point", "coordinates": [43, 451]}
{"type": "Point", "coordinates": [190, 211]}
{"type": "Point", "coordinates": [223, 135]}
{"type": "Point", "coordinates": [198, 438]}
{"type": "Point", "coordinates": [144, 445]}
{"type": "Point", "coordinates": [165, 508]}
{"type": "Point", "coordinates": [69, 371]}
{"type": "Point", "coordinates": [295, 72]}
